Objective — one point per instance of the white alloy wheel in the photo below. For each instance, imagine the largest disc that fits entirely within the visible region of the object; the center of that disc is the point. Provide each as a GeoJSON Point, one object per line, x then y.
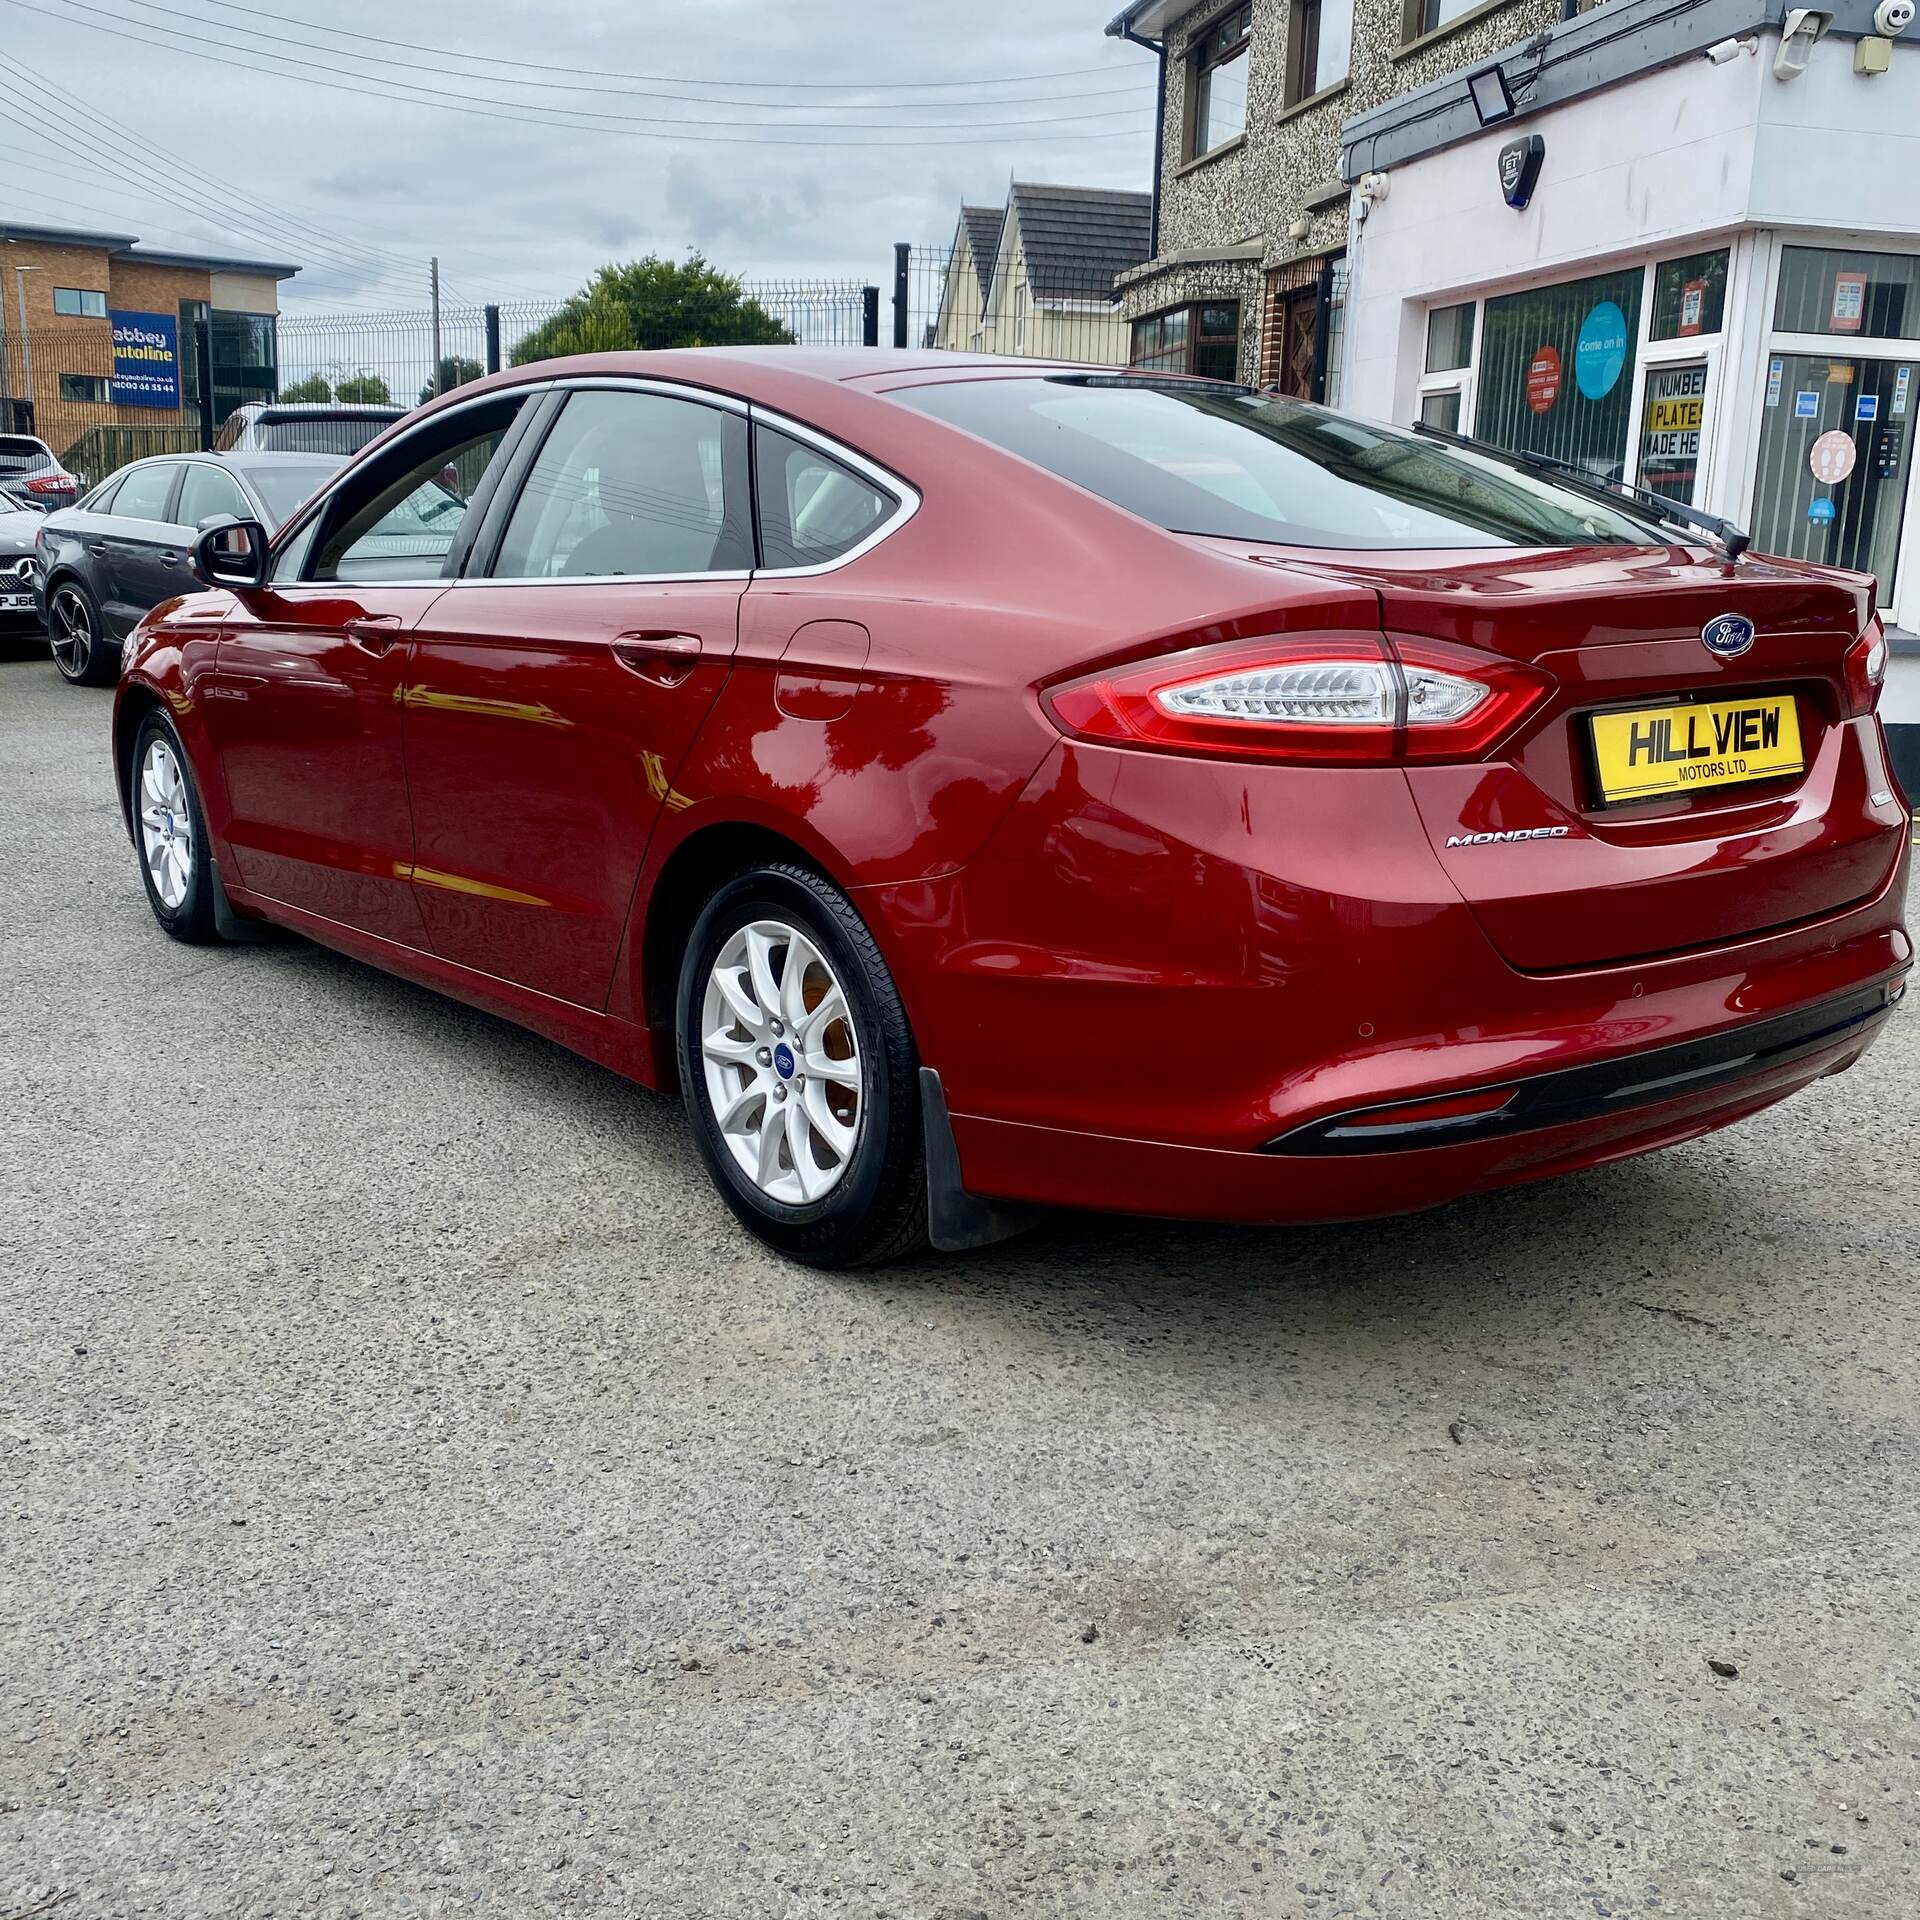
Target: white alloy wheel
{"type": "Point", "coordinates": [70, 632]}
{"type": "Point", "coordinates": [166, 823]}
{"type": "Point", "coordinates": [782, 1062]}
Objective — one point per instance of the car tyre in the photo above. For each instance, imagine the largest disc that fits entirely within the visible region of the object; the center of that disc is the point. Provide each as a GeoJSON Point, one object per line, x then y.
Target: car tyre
{"type": "Point", "coordinates": [74, 632]}
{"type": "Point", "coordinates": [170, 834]}
{"type": "Point", "coordinates": [800, 1072]}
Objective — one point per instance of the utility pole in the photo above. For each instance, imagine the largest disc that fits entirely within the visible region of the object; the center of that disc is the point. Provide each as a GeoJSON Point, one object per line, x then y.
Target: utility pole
{"type": "Point", "coordinates": [434, 269]}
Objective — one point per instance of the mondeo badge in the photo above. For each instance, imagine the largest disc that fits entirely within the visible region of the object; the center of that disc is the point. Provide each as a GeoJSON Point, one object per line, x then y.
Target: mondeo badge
{"type": "Point", "coordinates": [1727, 635]}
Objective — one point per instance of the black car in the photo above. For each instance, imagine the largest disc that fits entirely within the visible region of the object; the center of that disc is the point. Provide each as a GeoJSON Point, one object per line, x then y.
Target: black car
{"type": "Point", "coordinates": [127, 545]}
{"type": "Point", "coordinates": [19, 564]}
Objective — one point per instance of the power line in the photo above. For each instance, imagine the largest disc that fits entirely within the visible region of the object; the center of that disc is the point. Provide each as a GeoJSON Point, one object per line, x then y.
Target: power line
{"type": "Point", "coordinates": [639, 93]}
{"type": "Point", "coordinates": [506, 111]}
{"type": "Point", "coordinates": [585, 114]}
{"type": "Point", "coordinates": [668, 79]}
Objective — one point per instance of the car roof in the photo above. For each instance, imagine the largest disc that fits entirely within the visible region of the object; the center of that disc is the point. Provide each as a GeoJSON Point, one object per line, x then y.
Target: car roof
{"type": "Point", "coordinates": [272, 410]}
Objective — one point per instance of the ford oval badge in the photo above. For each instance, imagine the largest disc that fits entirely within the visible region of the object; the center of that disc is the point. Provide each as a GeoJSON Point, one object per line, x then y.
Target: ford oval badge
{"type": "Point", "coordinates": [1727, 636]}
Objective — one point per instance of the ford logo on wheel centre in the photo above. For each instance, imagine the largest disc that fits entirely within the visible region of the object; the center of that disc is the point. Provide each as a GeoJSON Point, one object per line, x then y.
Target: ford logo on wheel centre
{"type": "Point", "coordinates": [1727, 635]}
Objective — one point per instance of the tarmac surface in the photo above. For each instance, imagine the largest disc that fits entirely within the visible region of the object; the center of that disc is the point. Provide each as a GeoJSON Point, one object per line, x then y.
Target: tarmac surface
{"type": "Point", "coordinates": [417, 1496]}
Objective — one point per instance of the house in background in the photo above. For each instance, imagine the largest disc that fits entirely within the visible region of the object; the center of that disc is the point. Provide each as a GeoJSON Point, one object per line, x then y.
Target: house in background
{"type": "Point", "coordinates": [60, 288]}
{"type": "Point", "coordinates": [1246, 275]}
{"type": "Point", "coordinates": [1039, 277]}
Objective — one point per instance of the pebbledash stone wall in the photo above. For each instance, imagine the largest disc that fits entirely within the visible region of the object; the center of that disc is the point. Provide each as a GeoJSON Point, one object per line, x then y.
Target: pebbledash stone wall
{"type": "Point", "coordinates": [1287, 165]}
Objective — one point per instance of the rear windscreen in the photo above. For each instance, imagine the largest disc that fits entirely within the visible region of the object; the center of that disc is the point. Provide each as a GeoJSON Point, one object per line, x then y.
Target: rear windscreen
{"type": "Point", "coordinates": [18, 455]}
{"type": "Point", "coordinates": [317, 436]}
{"type": "Point", "coordinates": [1248, 466]}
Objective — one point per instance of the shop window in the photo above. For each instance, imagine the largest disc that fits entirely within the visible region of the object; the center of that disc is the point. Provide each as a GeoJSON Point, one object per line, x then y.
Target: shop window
{"type": "Point", "coordinates": [1835, 449]}
{"type": "Point", "coordinates": [1202, 339]}
{"type": "Point", "coordinates": [1320, 47]}
{"type": "Point", "coordinates": [1217, 83]}
{"type": "Point", "coordinates": [1429, 16]}
{"type": "Point", "coordinates": [1672, 414]}
{"type": "Point", "coordinates": [1842, 290]}
{"type": "Point", "coordinates": [79, 303]}
{"type": "Point", "coordinates": [1689, 296]}
{"type": "Point", "coordinates": [1556, 370]}
{"type": "Point", "coordinates": [90, 388]}
{"type": "Point", "coordinates": [1450, 338]}
{"type": "Point", "coordinates": [1441, 410]}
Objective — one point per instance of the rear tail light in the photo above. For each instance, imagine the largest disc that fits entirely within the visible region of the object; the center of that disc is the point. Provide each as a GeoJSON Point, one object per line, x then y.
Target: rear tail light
{"type": "Point", "coordinates": [1866, 669]}
{"type": "Point", "coordinates": [52, 483]}
{"type": "Point", "coordinates": [1330, 698]}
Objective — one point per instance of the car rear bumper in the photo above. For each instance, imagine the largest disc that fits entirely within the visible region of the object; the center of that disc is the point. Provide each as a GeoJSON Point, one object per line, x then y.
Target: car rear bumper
{"type": "Point", "coordinates": [1161, 984]}
{"type": "Point", "coordinates": [1012, 1161]}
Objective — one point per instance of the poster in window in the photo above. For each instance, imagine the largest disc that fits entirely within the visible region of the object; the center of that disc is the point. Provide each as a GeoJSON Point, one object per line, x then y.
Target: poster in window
{"type": "Point", "coordinates": [1670, 425]}
{"type": "Point", "coordinates": [1543, 379]}
{"type": "Point", "coordinates": [1693, 306]}
{"type": "Point", "coordinates": [1849, 302]}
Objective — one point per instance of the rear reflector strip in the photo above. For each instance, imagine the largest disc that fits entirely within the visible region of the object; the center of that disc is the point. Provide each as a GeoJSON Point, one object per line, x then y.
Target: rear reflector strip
{"type": "Point", "coordinates": [1583, 1093]}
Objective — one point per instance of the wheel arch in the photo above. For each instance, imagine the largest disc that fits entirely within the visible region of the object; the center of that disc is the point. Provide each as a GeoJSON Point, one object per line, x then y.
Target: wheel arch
{"type": "Point", "coordinates": [136, 701]}
{"type": "Point", "coordinates": [687, 878]}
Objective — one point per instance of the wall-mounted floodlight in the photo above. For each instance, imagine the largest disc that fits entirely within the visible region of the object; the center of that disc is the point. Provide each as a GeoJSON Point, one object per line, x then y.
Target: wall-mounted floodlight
{"type": "Point", "coordinates": [1492, 97]}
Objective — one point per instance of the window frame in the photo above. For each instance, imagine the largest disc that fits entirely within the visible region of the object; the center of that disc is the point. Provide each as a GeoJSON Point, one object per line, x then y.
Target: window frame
{"type": "Point", "coordinates": [162, 519]}
{"type": "Point", "coordinates": [104, 398]}
{"type": "Point", "coordinates": [1296, 92]}
{"type": "Point", "coordinates": [1190, 344]}
{"type": "Point", "coordinates": [250, 506]}
{"type": "Point", "coordinates": [1201, 60]}
{"type": "Point", "coordinates": [490, 536]}
{"type": "Point", "coordinates": [80, 312]}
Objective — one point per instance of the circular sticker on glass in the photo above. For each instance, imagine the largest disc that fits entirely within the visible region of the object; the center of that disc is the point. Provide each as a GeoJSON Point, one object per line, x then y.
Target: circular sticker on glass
{"type": "Point", "coordinates": [1832, 457]}
{"type": "Point", "coordinates": [1543, 379]}
{"type": "Point", "coordinates": [1820, 511]}
{"type": "Point", "coordinates": [1601, 350]}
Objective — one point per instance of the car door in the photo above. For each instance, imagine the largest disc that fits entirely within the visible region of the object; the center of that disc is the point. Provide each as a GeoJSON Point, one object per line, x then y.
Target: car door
{"type": "Point", "coordinates": [553, 693]}
{"type": "Point", "coordinates": [141, 551]}
{"type": "Point", "coordinates": [306, 699]}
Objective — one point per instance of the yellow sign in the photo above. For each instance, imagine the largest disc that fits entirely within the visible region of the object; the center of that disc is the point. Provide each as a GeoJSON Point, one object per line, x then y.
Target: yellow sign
{"type": "Point", "coordinates": [1716, 743]}
{"type": "Point", "coordinates": [1676, 416]}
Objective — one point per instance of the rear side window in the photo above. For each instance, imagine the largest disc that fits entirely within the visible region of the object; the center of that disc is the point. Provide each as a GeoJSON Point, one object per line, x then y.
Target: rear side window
{"type": "Point", "coordinates": [812, 509]}
{"type": "Point", "coordinates": [1246, 466]}
{"type": "Point", "coordinates": [208, 490]}
{"type": "Point", "coordinates": [143, 493]}
{"type": "Point", "coordinates": [631, 483]}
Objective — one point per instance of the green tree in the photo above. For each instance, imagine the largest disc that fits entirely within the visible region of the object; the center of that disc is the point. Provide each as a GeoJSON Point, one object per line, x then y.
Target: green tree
{"type": "Point", "coordinates": [654, 303]}
{"type": "Point", "coordinates": [313, 387]}
{"type": "Point", "coordinates": [455, 371]}
{"type": "Point", "coordinates": [363, 389]}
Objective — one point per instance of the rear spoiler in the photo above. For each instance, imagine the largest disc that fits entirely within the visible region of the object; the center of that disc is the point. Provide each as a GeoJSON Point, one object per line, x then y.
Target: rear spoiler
{"type": "Point", "coordinates": [1733, 541]}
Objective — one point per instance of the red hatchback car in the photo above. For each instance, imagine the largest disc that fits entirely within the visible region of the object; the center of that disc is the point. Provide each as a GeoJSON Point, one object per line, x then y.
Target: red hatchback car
{"type": "Point", "coordinates": [979, 783]}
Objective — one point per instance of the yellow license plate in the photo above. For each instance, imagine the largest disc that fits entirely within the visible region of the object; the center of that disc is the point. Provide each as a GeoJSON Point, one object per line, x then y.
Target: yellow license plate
{"type": "Point", "coordinates": [1712, 743]}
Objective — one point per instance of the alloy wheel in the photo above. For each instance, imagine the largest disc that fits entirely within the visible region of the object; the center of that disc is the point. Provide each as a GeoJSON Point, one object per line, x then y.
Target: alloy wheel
{"type": "Point", "coordinates": [70, 631]}
{"type": "Point", "coordinates": [166, 824]}
{"type": "Point", "coordinates": [782, 1062]}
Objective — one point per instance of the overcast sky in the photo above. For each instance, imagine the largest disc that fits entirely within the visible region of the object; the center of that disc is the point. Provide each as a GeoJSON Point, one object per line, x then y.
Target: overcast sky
{"type": "Point", "coordinates": [362, 190]}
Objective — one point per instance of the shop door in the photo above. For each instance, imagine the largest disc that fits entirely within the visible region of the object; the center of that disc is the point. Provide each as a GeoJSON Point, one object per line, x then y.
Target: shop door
{"type": "Point", "coordinates": [1296, 325]}
{"type": "Point", "coordinates": [1834, 456]}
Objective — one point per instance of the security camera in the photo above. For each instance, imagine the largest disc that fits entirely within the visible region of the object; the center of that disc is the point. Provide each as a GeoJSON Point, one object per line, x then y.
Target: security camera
{"type": "Point", "coordinates": [1893, 16]}
{"type": "Point", "coordinates": [1724, 50]}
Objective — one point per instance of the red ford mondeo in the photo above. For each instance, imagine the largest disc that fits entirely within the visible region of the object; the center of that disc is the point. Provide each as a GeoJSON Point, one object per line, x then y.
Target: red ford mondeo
{"type": "Point", "coordinates": [979, 783]}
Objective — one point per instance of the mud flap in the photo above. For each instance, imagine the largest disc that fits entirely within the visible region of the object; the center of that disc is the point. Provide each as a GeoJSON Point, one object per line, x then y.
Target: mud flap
{"type": "Point", "coordinates": [957, 1220]}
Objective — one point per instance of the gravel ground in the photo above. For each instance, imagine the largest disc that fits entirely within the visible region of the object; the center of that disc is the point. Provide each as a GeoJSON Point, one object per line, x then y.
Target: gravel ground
{"type": "Point", "coordinates": [420, 1499]}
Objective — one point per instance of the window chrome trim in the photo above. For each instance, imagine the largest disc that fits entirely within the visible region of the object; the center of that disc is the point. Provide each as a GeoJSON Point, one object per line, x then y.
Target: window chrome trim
{"type": "Point", "coordinates": [906, 495]}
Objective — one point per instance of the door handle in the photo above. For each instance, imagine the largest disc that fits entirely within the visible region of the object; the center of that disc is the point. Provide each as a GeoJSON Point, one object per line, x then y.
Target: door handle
{"type": "Point", "coordinates": [169, 559]}
{"type": "Point", "coordinates": [374, 633]}
{"type": "Point", "coordinates": [664, 658]}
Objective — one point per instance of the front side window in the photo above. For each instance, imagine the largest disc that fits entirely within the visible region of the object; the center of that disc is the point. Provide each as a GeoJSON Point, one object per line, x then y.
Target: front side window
{"type": "Point", "coordinates": [631, 484]}
{"type": "Point", "coordinates": [1219, 84]}
{"type": "Point", "coordinates": [812, 509]}
{"type": "Point", "coordinates": [397, 517]}
{"type": "Point", "coordinates": [144, 492]}
{"type": "Point", "coordinates": [207, 490]}
{"type": "Point", "coordinates": [79, 303]}
{"type": "Point", "coordinates": [1249, 466]}
{"type": "Point", "coordinates": [1322, 47]}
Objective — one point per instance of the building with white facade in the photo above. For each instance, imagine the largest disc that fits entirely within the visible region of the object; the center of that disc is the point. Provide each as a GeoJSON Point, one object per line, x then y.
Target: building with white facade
{"type": "Point", "coordinates": [1712, 288]}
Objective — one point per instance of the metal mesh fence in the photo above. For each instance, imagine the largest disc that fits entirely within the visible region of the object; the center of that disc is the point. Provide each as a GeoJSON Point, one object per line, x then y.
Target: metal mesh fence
{"type": "Point", "coordinates": [1045, 310]}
